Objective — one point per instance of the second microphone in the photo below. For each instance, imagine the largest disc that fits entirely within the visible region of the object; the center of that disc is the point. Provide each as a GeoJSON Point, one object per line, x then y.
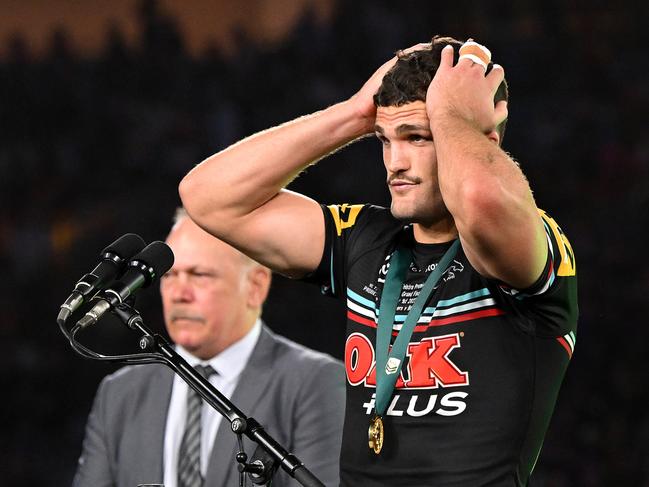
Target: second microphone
{"type": "Point", "coordinates": [147, 266]}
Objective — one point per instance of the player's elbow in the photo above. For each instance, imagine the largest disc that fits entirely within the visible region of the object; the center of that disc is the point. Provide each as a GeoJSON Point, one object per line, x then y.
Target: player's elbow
{"type": "Point", "coordinates": [187, 192]}
{"type": "Point", "coordinates": [193, 197]}
{"type": "Point", "coordinates": [207, 204]}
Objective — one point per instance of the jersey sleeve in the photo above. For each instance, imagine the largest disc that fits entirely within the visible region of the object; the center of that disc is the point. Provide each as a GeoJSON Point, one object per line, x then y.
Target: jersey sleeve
{"type": "Point", "coordinates": [350, 230]}
{"type": "Point", "coordinates": [553, 297]}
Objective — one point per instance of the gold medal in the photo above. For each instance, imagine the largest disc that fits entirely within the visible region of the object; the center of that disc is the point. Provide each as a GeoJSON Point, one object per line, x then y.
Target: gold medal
{"type": "Point", "coordinates": [375, 434]}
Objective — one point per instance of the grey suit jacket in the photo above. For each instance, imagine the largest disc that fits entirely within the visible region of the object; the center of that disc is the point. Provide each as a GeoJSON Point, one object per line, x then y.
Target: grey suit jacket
{"type": "Point", "coordinates": [296, 394]}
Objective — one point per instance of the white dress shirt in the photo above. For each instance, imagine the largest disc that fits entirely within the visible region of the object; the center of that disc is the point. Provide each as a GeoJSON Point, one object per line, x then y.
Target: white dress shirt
{"type": "Point", "coordinates": [228, 365]}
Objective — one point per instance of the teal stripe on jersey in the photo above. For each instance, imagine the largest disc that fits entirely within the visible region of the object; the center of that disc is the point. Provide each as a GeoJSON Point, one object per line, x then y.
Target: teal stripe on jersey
{"type": "Point", "coordinates": [444, 303]}
{"type": "Point", "coordinates": [360, 299]}
{"type": "Point", "coordinates": [459, 308]}
{"type": "Point", "coordinates": [464, 297]}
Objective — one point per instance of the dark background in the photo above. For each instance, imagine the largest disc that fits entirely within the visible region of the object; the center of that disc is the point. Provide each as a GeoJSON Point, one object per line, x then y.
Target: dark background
{"type": "Point", "coordinates": [92, 147]}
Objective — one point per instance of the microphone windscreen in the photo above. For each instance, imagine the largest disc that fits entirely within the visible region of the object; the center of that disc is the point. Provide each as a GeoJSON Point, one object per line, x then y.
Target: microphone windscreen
{"type": "Point", "coordinates": [158, 256]}
{"type": "Point", "coordinates": [125, 246]}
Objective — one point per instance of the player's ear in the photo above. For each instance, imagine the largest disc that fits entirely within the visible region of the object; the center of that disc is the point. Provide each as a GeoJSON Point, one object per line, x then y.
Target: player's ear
{"type": "Point", "coordinates": [494, 136]}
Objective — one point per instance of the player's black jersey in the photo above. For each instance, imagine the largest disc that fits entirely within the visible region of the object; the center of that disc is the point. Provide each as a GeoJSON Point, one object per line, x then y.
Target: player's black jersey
{"type": "Point", "coordinates": [482, 370]}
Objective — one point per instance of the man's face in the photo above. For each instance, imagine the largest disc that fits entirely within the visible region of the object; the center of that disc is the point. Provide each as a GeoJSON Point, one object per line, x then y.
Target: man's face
{"type": "Point", "coordinates": [411, 163]}
{"type": "Point", "coordinates": [206, 294]}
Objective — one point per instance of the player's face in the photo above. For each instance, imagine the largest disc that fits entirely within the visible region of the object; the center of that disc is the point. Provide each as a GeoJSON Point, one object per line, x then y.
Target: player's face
{"type": "Point", "coordinates": [411, 163]}
{"type": "Point", "coordinates": [205, 295]}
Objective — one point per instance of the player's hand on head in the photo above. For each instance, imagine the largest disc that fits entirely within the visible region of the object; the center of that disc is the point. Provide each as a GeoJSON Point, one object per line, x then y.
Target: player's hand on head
{"type": "Point", "coordinates": [463, 90]}
{"type": "Point", "coordinates": [363, 100]}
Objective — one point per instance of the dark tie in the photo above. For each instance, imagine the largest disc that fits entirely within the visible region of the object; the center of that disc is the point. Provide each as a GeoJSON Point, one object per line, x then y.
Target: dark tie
{"type": "Point", "coordinates": [189, 455]}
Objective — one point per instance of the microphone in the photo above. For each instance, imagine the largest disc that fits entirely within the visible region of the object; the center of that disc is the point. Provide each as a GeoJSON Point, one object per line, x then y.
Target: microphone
{"type": "Point", "coordinates": [113, 260]}
{"type": "Point", "coordinates": [156, 259]}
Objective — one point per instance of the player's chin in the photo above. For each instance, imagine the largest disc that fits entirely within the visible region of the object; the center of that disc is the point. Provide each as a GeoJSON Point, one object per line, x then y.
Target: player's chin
{"type": "Point", "coordinates": [401, 214]}
{"type": "Point", "coordinates": [402, 210]}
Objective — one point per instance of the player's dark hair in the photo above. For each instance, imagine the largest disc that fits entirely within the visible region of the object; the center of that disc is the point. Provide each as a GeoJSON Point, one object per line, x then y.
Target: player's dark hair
{"type": "Point", "coordinates": [409, 78]}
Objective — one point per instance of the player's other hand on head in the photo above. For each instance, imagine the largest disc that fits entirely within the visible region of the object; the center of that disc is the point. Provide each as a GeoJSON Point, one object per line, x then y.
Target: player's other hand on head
{"type": "Point", "coordinates": [363, 99]}
{"type": "Point", "coordinates": [463, 90]}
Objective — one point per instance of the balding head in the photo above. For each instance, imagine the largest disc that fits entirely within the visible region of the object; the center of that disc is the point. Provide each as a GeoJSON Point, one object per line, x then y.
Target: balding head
{"type": "Point", "coordinates": [213, 294]}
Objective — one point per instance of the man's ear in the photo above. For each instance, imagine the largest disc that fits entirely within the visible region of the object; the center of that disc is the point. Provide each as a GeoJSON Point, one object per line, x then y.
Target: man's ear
{"type": "Point", "coordinates": [259, 278]}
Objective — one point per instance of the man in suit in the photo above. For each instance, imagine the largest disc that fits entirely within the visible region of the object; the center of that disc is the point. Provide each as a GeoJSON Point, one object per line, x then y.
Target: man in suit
{"type": "Point", "coordinates": [212, 299]}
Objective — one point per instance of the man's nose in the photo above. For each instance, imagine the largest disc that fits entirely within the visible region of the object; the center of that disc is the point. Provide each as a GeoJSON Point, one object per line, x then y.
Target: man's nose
{"type": "Point", "coordinates": [181, 290]}
{"type": "Point", "coordinates": [397, 158]}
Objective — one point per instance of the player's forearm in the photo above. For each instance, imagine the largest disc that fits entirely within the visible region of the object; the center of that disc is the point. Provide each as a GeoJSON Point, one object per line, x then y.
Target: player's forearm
{"type": "Point", "coordinates": [475, 174]}
{"type": "Point", "coordinates": [490, 200]}
{"type": "Point", "coordinates": [234, 182]}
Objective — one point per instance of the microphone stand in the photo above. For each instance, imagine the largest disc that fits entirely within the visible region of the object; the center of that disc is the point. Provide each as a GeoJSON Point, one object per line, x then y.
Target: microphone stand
{"type": "Point", "coordinates": [155, 349]}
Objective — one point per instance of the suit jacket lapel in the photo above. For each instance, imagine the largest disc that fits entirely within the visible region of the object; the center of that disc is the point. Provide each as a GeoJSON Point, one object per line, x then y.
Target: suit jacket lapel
{"type": "Point", "coordinates": [252, 383]}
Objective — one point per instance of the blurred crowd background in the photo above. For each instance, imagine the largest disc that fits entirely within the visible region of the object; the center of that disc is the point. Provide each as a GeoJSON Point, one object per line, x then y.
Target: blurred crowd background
{"type": "Point", "coordinates": [93, 146]}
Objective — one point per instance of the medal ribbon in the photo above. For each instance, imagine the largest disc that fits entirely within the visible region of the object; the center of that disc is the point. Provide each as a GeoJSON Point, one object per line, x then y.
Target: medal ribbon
{"type": "Point", "coordinates": [388, 364]}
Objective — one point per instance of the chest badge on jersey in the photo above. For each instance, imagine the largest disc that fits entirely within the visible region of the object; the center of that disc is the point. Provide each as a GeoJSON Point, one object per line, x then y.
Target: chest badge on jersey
{"type": "Point", "coordinates": [392, 366]}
